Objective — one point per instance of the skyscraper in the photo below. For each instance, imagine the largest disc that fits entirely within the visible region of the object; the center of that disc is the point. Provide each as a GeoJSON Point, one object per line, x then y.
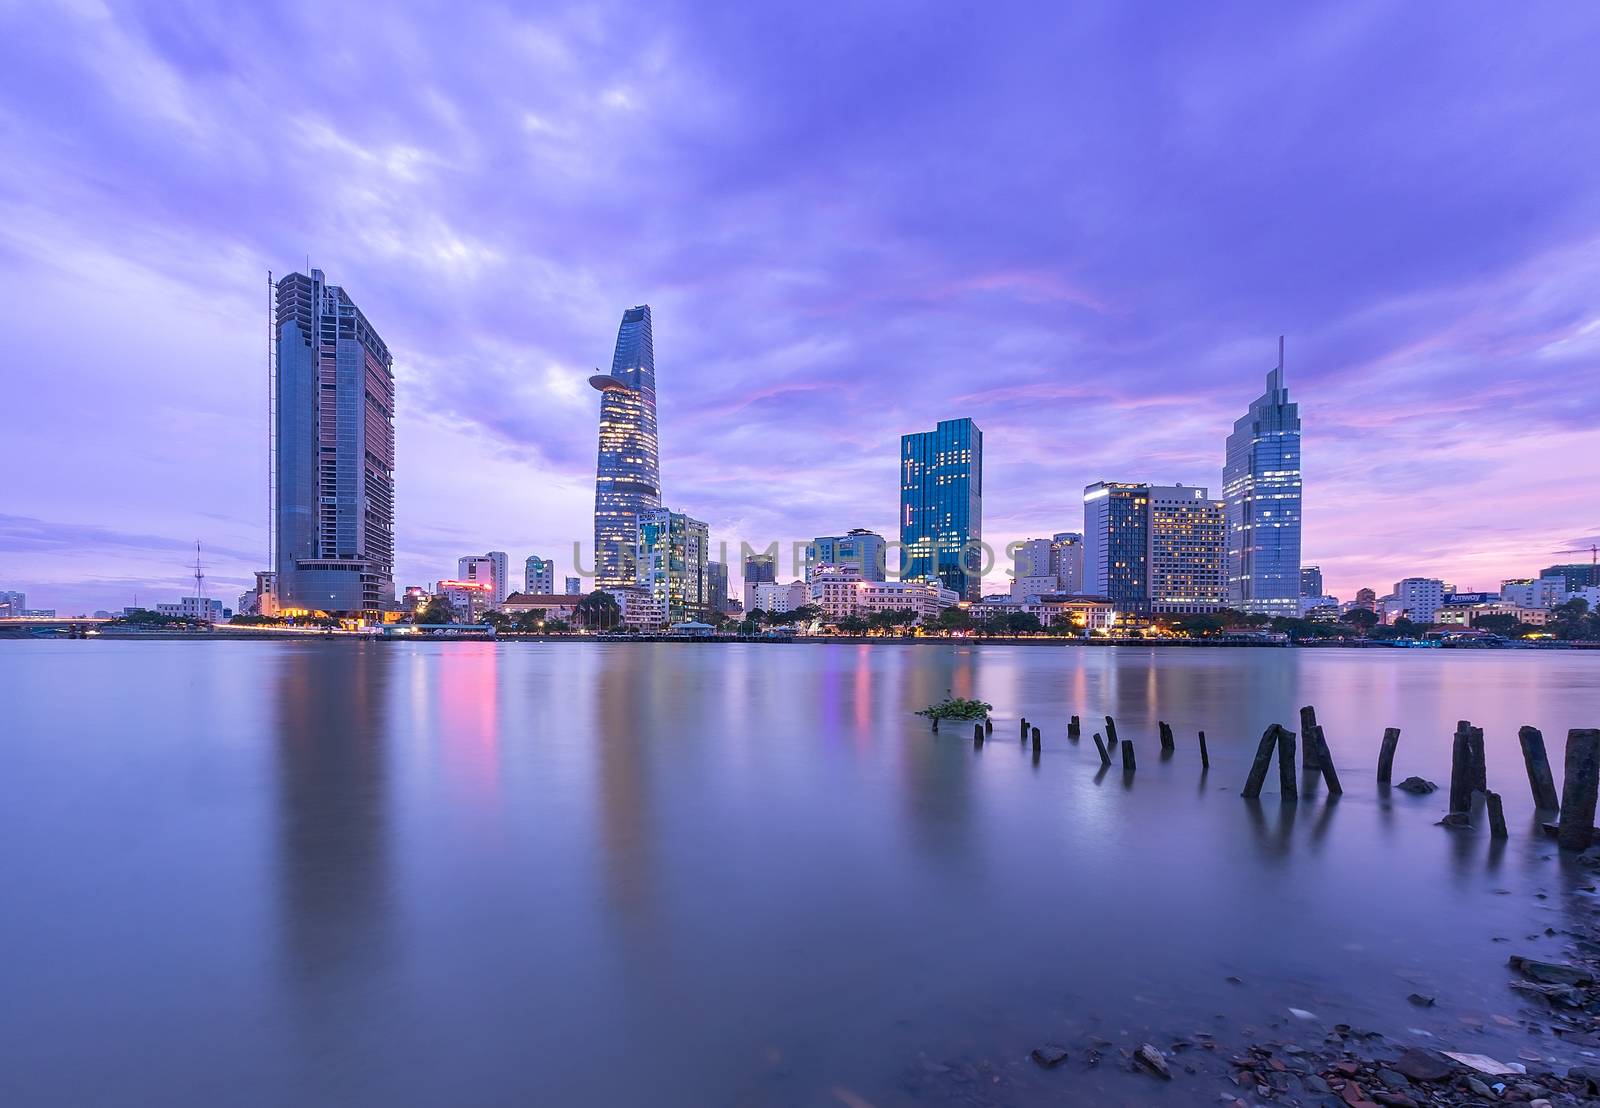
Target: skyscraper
{"type": "Point", "coordinates": [1066, 561]}
{"type": "Point", "coordinates": [1261, 491]}
{"type": "Point", "coordinates": [941, 506]}
{"type": "Point", "coordinates": [538, 576]}
{"type": "Point", "coordinates": [332, 453]}
{"type": "Point", "coordinates": [1311, 581]}
{"type": "Point", "coordinates": [716, 587]}
{"type": "Point", "coordinates": [1116, 543]}
{"type": "Point", "coordinates": [628, 473]}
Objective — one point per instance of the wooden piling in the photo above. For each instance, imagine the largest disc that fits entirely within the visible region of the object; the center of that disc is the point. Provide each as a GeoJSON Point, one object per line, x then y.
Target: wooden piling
{"type": "Point", "coordinates": [1258, 768]}
{"type": "Point", "coordinates": [1205, 755]}
{"type": "Point", "coordinates": [1534, 757]}
{"type": "Point", "coordinates": [1497, 815]}
{"type": "Point", "coordinates": [1579, 784]}
{"type": "Point", "coordinates": [1022, 725]}
{"type": "Point", "coordinates": [977, 733]}
{"type": "Point", "coordinates": [1111, 732]}
{"type": "Point", "coordinates": [935, 727]}
{"type": "Point", "coordinates": [1288, 785]}
{"type": "Point", "coordinates": [1480, 772]}
{"type": "Point", "coordinates": [1037, 745]}
{"type": "Point", "coordinates": [988, 726]}
{"type": "Point", "coordinates": [1099, 744]}
{"type": "Point", "coordinates": [1461, 771]}
{"type": "Point", "coordinates": [1166, 735]}
{"type": "Point", "coordinates": [1308, 748]}
{"type": "Point", "coordinates": [1391, 739]}
{"type": "Point", "coordinates": [1074, 728]}
{"type": "Point", "coordinates": [1128, 764]}
{"type": "Point", "coordinates": [1330, 776]}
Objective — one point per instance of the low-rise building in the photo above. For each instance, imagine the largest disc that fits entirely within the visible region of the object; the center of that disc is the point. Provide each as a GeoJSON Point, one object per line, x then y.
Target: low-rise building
{"type": "Point", "coordinates": [1092, 613]}
{"type": "Point", "coordinates": [840, 591]}
{"type": "Point", "coordinates": [470, 599]}
{"type": "Point", "coordinates": [551, 606]}
{"type": "Point", "coordinates": [195, 607]}
{"type": "Point", "coordinates": [641, 609]}
{"type": "Point", "coordinates": [1537, 592]}
{"type": "Point", "coordinates": [771, 596]}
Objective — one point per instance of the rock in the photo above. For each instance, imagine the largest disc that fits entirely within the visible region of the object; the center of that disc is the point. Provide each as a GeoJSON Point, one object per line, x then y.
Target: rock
{"type": "Point", "coordinates": [1540, 1103]}
{"type": "Point", "coordinates": [1354, 1095]}
{"type": "Point", "coordinates": [1392, 1079]}
{"type": "Point", "coordinates": [1589, 1075]}
{"type": "Point", "coordinates": [1049, 1055]}
{"type": "Point", "coordinates": [1302, 1014]}
{"type": "Point", "coordinates": [1562, 996]}
{"type": "Point", "coordinates": [1455, 819]}
{"type": "Point", "coordinates": [1551, 973]}
{"type": "Point", "coordinates": [1393, 1100]}
{"type": "Point", "coordinates": [1423, 1065]}
{"type": "Point", "coordinates": [1417, 785]}
{"type": "Point", "coordinates": [1482, 1063]}
{"type": "Point", "coordinates": [1420, 1000]}
{"type": "Point", "coordinates": [1153, 1061]}
{"type": "Point", "coordinates": [1479, 1088]}
{"type": "Point", "coordinates": [1315, 1084]}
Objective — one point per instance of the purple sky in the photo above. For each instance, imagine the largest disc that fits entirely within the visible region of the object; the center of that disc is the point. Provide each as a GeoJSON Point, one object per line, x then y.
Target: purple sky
{"type": "Point", "coordinates": [1082, 225]}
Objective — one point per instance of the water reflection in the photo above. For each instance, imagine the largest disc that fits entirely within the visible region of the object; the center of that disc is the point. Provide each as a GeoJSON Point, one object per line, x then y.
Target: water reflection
{"type": "Point", "coordinates": [331, 735]}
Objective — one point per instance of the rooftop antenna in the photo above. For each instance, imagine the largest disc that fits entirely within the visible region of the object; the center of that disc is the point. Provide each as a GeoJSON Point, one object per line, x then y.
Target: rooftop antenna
{"type": "Point", "coordinates": [1275, 378]}
{"type": "Point", "coordinates": [199, 575]}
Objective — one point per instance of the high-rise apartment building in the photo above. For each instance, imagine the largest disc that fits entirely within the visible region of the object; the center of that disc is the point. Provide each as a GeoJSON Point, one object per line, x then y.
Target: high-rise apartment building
{"type": "Point", "coordinates": [12, 604]}
{"type": "Point", "coordinates": [538, 576]}
{"type": "Point", "coordinates": [716, 587]}
{"type": "Point", "coordinates": [332, 453]}
{"type": "Point", "coordinates": [1414, 598]}
{"type": "Point", "coordinates": [941, 506]}
{"type": "Point", "coordinates": [672, 552]}
{"type": "Point", "coordinates": [1261, 489]}
{"type": "Point", "coordinates": [866, 550]}
{"type": "Point", "coordinates": [628, 473]}
{"type": "Point", "coordinates": [493, 569]}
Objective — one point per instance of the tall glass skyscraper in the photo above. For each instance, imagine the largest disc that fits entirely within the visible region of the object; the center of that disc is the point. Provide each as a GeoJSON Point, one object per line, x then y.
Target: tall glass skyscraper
{"type": "Point", "coordinates": [332, 453]}
{"type": "Point", "coordinates": [941, 506]}
{"type": "Point", "coordinates": [1261, 494]}
{"type": "Point", "coordinates": [627, 479]}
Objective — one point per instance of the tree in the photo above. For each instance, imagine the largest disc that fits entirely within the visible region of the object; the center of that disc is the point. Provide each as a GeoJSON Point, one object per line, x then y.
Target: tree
{"type": "Point", "coordinates": [599, 611]}
{"type": "Point", "coordinates": [531, 621]}
{"type": "Point", "coordinates": [954, 618]}
{"type": "Point", "coordinates": [438, 610]}
{"type": "Point", "coordinates": [852, 625]}
{"type": "Point", "coordinates": [1362, 619]}
{"type": "Point", "coordinates": [498, 620]}
{"type": "Point", "coordinates": [1573, 620]}
{"type": "Point", "coordinates": [1023, 623]}
{"type": "Point", "coordinates": [556, 626]}
{"type": "Point", "coordinates": [1197, 624]}
{"type": "Point", "coordinates": [996, 624]}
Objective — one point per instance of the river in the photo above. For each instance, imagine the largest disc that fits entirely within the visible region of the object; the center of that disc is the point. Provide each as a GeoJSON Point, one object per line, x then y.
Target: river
{"type": "Point", "coordinates": [264, 873]}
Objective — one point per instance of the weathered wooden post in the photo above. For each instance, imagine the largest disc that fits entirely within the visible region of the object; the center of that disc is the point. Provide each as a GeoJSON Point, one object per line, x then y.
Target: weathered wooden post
{"type": "Point", "coordinates": [935, 727]}
{"type": "Point", "coordinates": [1330, 776]}
{"type": "Point", "coordinates": [977, 734]}
{"type": "Point", "coordinates": [1022, 726]}
{"type": "Point", "coordinates": [1128, 764]}
{"type": "Point", "coordinates": [1538, 763]}
{"type": "Point", "coordinates": [1579, 783]}
{"type": "Point", "coordinates": [1205, 755]}
{"type": "Point", "coordinates": [1037, 746]}
{"type": "Point", "coordinates": [1391, 739]}
{"type": "Point", "coordinates": [1308, 748]}
{"type": "Point", "coordinates": [1480, 772]}
{"type": "Point", "coordinates": [1111, 732]}
{"type": "Point", "coordinates": [1258, 768]}
{"type": "Point", "coordinates": [1166, 734]}
{"type": "Point", "coordinates": [1288, 786]}
{"type": "Point", "coordinates": [1497, 815]}
{"type": "Point", "coordinates": [1074, 728]}
{"type": "Point", "coordinates": [1460, 772]}
{"type": "Point", "coordinates": [1099, 744]}
{"type": "Point", "coordinates": [988, 726]}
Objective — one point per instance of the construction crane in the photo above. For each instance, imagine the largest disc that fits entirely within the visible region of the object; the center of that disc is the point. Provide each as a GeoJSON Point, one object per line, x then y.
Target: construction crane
{"type": "Point", "coordinates": [1592, 550]}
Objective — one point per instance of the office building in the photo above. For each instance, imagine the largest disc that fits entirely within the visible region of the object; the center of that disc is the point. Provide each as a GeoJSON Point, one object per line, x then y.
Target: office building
{"type": "Point", "coordinates": [941, 506]}
{"type": "Point", "coordinates": [573, 586]}
{"type": "Point", "coordinates": [1545, 592]}
{"type": "Point", "coordinates": [1032, 558]}
{"type": "Point", "coordinates": [716, 587]}
{"type": "Point", "coordinates": [332, 452]}
{"type": "Point", "coordinates": [1311, 581]}
{"type": "Point", "coordinates": [470, 598]}
{"type": "Point", "coordinates": [1366, 598]}
{"type": "Point", "coordinates": [841, 591]}
{"type": "Point", "coordinates": [1116, 543]}
{"type": "Point", "coordinates": [1414, 598]}
{"type": "Point", "coordinates": [12, 604]}
{"type": "Point", "coordinates": [1066, 562]}
{"type": "Point", "coordinates": [628, 472]}
{"type": "Point", "coordinates": [493, 569]}
{"type": "Point", "coordinates": [769, 596]}
{"type": "Point", "coordinates": [759, 569]}
{"type": "Point", "coordinates": [671, 553]}
{"type": "Point", "coordinates": [866, 550]}
{"type": "Point", "coordinates": [1578, 576]}
{"type": "Point", "coordinates": [538, 576]}
{"type": "Point", "coordinates": [1261, 489]}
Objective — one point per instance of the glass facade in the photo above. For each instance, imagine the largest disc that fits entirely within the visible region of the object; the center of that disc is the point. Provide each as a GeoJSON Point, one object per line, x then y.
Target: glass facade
{"type": "Point", "coordinates": [1261, 490]}
{"type": "Point", "coordinates": [628, 471]}
{"type": "Point", "coordinates": [941, 506]}
{"type": "Point", "coordinates": [671, 553]}
{"type": "Point", "coordinates": [861, 548]}
{"type": "Point", "coordinates": [333, 449]}
{"type": "Point", "coordinates": [1116, 543]}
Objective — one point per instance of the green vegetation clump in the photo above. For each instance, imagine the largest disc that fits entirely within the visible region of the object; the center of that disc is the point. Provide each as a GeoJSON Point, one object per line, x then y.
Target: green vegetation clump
{"type": "Point", "coordinates": [956, 707]}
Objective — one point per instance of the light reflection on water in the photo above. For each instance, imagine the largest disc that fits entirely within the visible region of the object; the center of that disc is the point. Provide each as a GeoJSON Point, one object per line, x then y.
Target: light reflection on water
{"type": "Point", "coordinates": [265, 873]}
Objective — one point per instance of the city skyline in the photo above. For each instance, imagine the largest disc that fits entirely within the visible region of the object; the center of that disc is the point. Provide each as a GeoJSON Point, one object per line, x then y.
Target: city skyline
{"type": "Point", "coordinates": [1101, 312]}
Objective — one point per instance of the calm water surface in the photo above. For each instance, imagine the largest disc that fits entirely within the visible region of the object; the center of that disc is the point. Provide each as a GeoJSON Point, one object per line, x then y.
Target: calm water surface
{"type": "Point", "coordinates": [260, 873]}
